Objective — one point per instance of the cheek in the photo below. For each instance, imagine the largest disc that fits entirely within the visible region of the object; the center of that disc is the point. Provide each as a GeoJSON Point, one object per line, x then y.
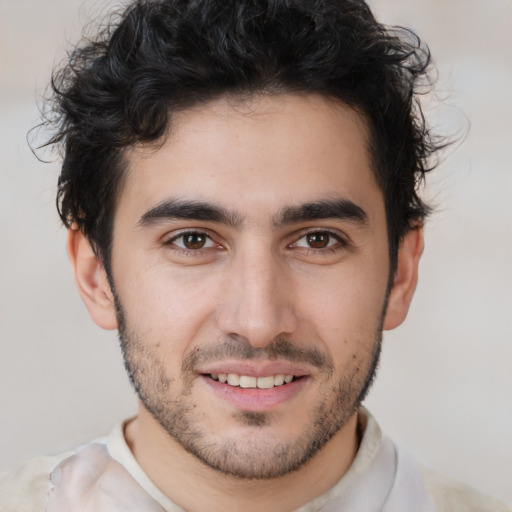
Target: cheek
{"type": "Point", "coordinates": [168, 306]}
{"type": "Point", "coordinates": [345, 310]}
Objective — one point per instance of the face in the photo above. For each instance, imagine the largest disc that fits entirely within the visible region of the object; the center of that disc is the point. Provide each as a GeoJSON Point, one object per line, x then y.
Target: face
{"type": "Point", "coordinates": [250, 265]}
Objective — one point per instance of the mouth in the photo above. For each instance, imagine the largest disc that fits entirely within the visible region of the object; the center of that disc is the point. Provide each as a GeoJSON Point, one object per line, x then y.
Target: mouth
{"type": "Point", "coordinates": [251, 382]}
{"type": "Point", "coordinates": [262, 392]}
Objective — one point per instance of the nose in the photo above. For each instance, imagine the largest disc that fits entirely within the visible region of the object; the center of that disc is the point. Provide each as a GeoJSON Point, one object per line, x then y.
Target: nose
{"type": "Point", "coordinates": [257, 303]}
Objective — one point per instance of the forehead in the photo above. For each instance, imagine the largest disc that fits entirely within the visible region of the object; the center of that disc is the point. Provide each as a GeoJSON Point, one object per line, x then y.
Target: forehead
{"type": "Point", "coordinates": [255, 155]}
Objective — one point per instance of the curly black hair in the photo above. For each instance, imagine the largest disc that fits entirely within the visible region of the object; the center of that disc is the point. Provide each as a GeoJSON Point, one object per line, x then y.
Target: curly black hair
{"type": "Point", "coordinates": [160, 56]}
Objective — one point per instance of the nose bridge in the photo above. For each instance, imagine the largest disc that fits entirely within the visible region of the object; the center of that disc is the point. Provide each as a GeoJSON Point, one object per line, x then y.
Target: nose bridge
{"type": "Point", "coordinates": [258, 306]}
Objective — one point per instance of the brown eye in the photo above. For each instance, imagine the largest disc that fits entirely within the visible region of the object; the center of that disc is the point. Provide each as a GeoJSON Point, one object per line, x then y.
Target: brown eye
{"type": "Point", "coordinates": [318, 240]}
{"type": "Point", "coordinates": [194, 241]}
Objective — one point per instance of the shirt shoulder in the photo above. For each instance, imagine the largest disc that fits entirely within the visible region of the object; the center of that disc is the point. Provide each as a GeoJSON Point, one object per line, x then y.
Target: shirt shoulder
{"type": "Point", "coordinates": [450, 495]}
{"type": "Point", "coordinates": [25, 488]}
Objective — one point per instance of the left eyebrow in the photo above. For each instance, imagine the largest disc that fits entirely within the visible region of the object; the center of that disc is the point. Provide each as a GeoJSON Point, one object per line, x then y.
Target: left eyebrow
{"type": "Point", "coordinates": [189, 210]}
{"type": "Point", "coordinates": [342, 209]}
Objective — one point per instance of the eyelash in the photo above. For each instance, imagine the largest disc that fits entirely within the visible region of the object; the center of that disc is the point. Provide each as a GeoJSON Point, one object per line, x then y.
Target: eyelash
{"type": "Point", "coordinates": [340, 243]}
{"type": "Point", "coordinates": [183, 251]}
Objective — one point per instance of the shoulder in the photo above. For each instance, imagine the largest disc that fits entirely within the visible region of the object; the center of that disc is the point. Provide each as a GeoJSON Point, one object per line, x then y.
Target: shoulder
{"type": "Point", "coordinates": [449, 495]}
{"type": "Point", "coordinates": [25, 488]}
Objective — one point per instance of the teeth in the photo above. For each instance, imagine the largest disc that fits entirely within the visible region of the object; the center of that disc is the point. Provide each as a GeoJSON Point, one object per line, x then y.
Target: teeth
{"type": "Point", "coordinates": [233, 379]}
{"type": "Point", "coordinates": [246, 381]}
{"type": "Point", "coordinates": [278, 380]}
{"type": "Point", "coordinates": [266, 382]}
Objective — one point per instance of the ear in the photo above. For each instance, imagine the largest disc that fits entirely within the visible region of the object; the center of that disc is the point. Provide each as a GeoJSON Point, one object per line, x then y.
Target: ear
{"type": "Point", "coordinates": [405, 279]}
{"type": "Point", "coordinates": [91, 280]}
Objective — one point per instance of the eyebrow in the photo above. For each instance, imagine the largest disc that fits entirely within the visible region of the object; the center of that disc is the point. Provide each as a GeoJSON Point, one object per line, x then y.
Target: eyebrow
{"type": "Point", "coordinates": [342, 209]}
{"type": "Point", "coordinates": [189, 210]}
{"type": "Point", "coordinates": [174, 208]}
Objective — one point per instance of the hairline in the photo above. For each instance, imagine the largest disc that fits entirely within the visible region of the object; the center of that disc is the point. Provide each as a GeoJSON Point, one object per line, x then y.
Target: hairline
{"type": "Point", "coordinates": [240, 98]}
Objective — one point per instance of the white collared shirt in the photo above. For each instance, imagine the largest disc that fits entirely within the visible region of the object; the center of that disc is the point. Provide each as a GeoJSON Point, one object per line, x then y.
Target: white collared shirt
{"type": "Point", "coordinates": [380, 479]}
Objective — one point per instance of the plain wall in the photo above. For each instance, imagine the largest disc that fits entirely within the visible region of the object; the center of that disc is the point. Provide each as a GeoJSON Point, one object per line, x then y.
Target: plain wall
{"type": "Point", "coordinates": [444, 386]}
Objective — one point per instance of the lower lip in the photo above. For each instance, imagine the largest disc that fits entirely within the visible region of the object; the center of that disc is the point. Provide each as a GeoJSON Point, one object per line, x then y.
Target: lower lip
{"type": "Point", "coordinates": [255, 399]}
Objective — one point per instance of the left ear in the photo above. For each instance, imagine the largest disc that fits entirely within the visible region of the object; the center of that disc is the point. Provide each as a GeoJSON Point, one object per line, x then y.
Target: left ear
{"type": "Point", "coordinates": [405, 279]}
{"type": "Point", "coordinates": [91, 280]}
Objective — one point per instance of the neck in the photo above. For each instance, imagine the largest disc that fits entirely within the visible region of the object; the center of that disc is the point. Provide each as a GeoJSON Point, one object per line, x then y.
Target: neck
{"type": "Point", "coordinates": [195, 487]}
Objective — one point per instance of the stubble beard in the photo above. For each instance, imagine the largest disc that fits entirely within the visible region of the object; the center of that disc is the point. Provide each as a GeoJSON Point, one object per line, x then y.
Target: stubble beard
{"type": "Point", "coordinates": [251, 457]}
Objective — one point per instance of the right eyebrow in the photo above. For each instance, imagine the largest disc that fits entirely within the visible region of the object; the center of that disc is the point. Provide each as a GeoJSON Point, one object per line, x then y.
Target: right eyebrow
{"type": "Point", "coordinates": [341, 208]}
{"type": "Point", "coordinates": [173, 208]}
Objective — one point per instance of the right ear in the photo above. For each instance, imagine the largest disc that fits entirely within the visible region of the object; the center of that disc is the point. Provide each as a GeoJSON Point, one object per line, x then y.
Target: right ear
{"type": "Point", "coordinates": [91, 280]}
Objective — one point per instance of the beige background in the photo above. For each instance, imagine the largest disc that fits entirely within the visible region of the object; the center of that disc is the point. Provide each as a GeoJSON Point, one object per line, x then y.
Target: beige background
{"type": "Point", "coordinates": [444, 388]}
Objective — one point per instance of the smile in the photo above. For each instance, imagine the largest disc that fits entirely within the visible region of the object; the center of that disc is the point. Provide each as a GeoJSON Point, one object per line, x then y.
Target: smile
{"type": "Point", "coordinates": [246, 381]}
{"type": "Point", "coordinates": [263, 393]}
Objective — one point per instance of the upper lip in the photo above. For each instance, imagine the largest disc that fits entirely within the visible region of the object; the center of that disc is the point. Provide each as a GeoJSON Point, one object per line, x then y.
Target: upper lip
{"type": "Point", "coordinates": [256, 369]}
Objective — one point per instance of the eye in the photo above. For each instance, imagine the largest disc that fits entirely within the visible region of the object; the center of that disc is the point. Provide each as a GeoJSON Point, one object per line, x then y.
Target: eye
{"type": "Point", "coordinates": [318, 240]}
{"type": "Point", "coordinates": [192, 241]}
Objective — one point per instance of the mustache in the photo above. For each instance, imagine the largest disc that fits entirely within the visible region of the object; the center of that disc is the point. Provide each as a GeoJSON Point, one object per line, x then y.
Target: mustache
{"type": "Point", "coordinates": [242, 350]}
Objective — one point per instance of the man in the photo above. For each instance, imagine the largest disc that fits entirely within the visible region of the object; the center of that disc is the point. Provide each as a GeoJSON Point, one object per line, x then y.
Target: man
{"type": "Point", "coordinates": [239, 183]}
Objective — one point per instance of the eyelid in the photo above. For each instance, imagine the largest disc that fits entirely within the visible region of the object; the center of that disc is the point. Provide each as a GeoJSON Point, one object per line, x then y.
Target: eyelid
{"type": "Point", "coordinates": [170, 238]}
{"type": "Point", "coordinates": [341, 237]}
{"type": "Point", "coordinates": [342, 240]}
